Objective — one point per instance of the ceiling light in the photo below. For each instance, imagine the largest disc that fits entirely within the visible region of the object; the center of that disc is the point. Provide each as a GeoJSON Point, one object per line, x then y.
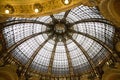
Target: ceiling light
{"type": "Point", "coordinates": [66, 2]}
{"type": "Point", "coordinates": [36, 10]}
{"type": "Point", "coordinates": [7, 11]}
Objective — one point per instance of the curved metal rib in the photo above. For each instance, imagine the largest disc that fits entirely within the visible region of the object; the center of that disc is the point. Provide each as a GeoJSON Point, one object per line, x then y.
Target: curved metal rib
{"type": "Point", "coordinates": [65, 15]}
{"type": "Point", "coordinates": [85, 53]}
{"type": "Point", "coordinates": [69, 59]}
{"type": "Point", "coordinates": [54, 20]}
{"type": "Point", "coordinates": [9, 23]}
{"type": "Point", "coordinates": [52, 58]}
{"type": "Point", "coordinates": [27, 65]}
{"type": "Point", "coordinates": [91, 20]}
{"type": "Point", "coordinates": [21, 41]}
{"type": "Point", "coordinates": [95, 39]}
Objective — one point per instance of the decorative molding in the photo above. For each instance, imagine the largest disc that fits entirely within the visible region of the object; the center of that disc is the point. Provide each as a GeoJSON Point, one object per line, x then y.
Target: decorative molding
{"type": "Point", "coordinates": [26, 10]}
{"type": "Point", "coordinates": [110, 10]}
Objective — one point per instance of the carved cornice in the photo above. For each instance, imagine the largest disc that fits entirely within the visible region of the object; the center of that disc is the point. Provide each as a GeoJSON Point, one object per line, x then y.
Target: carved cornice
{"type": "Point", "coordinates": [26, 8]}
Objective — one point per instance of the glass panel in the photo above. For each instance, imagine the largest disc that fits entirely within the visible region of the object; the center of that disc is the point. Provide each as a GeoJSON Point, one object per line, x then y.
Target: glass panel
{"type": "Point", "coordinates": [20, 56]}
{"type": "Point", "coordinates": [9, 36]}
{"type": "Point", "coordinates": [59, 15]}
{"type": "Point", "coordinates": [96, 52]}
{"type": "Point", "coordinates": [19, 31]}
{"type": "Point", "coordinates": [60, 63]}
{"type": "Point", "coordinates": [84, 12]}
{"type": "Point", "coordinates": [101, 31]}
{"type": "Point", "coordinates": [78, 58]}
{"type": "Point", "coordinates": [45, 19]}
{"type": "Point", "coordinates": [42, 59]}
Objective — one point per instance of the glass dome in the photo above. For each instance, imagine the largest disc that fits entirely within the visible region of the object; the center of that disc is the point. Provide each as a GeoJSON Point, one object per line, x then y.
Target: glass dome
{"type": "Point", "coordinates": [71, 42]}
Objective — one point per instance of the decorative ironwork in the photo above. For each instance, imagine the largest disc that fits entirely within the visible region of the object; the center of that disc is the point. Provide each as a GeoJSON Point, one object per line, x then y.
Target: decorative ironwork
{"type": "Point", "coordinates": [81, 40]}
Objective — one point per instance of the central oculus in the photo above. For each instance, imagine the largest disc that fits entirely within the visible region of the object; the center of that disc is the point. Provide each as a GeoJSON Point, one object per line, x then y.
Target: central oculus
{"type": "Point", "coordinates": [59, 28]}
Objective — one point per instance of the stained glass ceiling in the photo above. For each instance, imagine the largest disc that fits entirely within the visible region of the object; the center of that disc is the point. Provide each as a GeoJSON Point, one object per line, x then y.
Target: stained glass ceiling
{"type": "Point", "coordinates": [71, 42]}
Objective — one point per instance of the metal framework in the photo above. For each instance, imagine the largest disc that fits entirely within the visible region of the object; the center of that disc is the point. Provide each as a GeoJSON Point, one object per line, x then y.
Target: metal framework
{"type": "Point", "coordinates": [69, 59]}
{"type": "Point", "coordinates": [27, 65]}
{"type": "Point", "coordinates": [95, 39]}
{"type": "Point", "coordinates": [52, 58]}
{"type": "Point", "coordinates": [54, 20]}
{"type": "Point", "coordinates": [85, 53]}
{"type": "Point", "coordinates": [59, 30]}
{"type": "Point", "coordinates": [65, 15]}
{"type": "Point", "coordinates": [99, 20]}
{"type": "Point", "coordinates": [8, 52]}
{"type": "Point", "coordinates": [13, 22]}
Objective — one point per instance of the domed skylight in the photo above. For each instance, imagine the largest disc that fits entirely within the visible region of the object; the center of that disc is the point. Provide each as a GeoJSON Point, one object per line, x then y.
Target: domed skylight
{"type": "Point", "coordinates": [71, 42]}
